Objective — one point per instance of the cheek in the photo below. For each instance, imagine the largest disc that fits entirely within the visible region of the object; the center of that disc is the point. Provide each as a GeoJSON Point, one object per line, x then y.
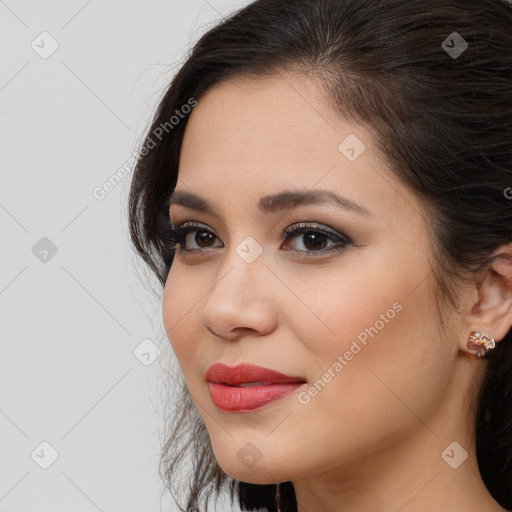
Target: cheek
{"type": "Point", "coordinates": [180, 318]}
{"type": "Point", "coordinates": [371, 337]}
{"type": "Point", "coordinates": [346, 306]}
{"type": "Point", "coordinates": [384, 357]}
{"type": "Point", "coordinates": [369, 295]}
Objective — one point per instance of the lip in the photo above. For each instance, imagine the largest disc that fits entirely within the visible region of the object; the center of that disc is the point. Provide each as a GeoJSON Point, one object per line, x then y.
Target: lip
{"type": "Point", "coordinates": [223, 381]}
{"type": "Point", "coordinates": [243, 373]}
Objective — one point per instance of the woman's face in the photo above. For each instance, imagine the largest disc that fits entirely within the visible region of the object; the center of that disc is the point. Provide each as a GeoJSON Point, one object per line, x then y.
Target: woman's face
{"type": "Point", "coordinates": [356, 321]}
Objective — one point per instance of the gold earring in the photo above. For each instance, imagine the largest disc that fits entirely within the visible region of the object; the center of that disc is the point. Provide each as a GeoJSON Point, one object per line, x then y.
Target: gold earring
{"type": "Point", "coordinates": [481, 343]}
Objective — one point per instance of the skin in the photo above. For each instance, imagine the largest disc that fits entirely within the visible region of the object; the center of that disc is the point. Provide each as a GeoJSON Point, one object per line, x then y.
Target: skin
{"type": "Point", "coordinates": [372, 439]}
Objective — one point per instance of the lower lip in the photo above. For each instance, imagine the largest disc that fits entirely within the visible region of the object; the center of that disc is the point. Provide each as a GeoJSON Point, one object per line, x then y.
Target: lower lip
{"type": "Point", "coordinates": [235, 399]}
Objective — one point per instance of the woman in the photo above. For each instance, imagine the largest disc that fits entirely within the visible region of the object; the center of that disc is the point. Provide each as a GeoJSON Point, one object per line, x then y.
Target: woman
{"type": "Point", "coordinates": [325, 195]}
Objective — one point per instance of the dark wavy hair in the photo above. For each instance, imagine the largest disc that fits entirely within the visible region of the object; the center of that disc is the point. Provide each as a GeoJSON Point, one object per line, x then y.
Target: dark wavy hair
{"type": "Point", "coordinates": [442, 120]}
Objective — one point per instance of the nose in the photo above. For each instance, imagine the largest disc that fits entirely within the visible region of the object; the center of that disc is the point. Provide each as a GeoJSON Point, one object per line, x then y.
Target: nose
{"type": "Point", "coordinates": [241, 300]}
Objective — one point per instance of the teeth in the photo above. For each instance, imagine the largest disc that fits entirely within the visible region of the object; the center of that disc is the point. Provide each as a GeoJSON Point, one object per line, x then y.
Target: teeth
{"type": "Point", "coordinates": [246, 384]}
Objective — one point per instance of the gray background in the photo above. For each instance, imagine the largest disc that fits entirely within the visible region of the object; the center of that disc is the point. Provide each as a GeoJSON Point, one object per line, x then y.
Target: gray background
{"type": "Point", "coordinates": [75, 371]}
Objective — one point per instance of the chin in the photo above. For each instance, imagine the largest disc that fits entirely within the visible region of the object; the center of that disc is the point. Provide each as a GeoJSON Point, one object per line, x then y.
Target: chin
{"type": "Point", "coordinates": [244, 469]}
{"type": "Point", "coordinates": [255, 476]}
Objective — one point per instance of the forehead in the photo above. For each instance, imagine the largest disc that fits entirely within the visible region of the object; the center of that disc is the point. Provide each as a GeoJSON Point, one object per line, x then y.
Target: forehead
{"type": "Point", "coordinates": [253, 137]}
{"type": "Point", "coordinates": [281, 114]}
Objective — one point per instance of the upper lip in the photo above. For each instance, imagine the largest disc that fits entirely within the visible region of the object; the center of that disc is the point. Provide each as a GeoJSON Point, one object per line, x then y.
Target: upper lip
{"type": "Point", "coordinates": [233, 376]}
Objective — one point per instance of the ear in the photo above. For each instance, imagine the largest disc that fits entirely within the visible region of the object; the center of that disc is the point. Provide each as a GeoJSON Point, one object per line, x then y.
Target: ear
{"type": "Point", "coordinates": [490, 311]}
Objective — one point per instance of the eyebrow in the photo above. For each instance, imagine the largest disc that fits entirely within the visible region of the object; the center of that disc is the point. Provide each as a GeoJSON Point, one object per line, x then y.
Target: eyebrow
{"type": "Point", "coordinates": [285, 200]}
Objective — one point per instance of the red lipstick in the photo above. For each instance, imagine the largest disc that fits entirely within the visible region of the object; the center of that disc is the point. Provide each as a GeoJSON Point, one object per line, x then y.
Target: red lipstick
{"type": "Point", "coordinates": [246, 387]}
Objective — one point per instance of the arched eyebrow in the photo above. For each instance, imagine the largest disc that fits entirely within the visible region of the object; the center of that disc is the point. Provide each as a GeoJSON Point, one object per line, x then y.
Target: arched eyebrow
{"type": "Point", "coordinates": [285, 200]}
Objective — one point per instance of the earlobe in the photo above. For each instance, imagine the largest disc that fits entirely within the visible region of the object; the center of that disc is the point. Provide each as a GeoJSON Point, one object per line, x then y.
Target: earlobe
{"type": "Point", "coordinates": [491, 315]}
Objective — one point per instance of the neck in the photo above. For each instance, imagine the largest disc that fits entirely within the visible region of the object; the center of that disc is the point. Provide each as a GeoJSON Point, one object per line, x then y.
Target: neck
{"type": "Point", "coordinates": [413, 472]}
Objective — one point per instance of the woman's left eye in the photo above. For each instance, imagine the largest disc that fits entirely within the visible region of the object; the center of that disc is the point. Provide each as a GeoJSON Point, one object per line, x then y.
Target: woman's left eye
{"type": "Point", "coordinates": [316, 238]}
{"type": "Point", "coordinates": [311, 238]}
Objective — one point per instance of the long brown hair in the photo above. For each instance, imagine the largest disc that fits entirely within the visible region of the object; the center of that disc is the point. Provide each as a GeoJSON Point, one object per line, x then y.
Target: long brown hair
{"type": "Point", "coordinates": [433, 80]}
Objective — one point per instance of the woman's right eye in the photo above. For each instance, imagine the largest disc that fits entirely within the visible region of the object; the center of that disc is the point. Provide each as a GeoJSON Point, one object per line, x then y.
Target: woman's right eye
{"type": "Point", "coordinates": [182, 235]}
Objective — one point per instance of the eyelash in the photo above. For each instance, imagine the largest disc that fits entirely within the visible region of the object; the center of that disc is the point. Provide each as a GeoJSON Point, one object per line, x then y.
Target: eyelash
{"type": "Point", "coordinates": [176, 235]}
